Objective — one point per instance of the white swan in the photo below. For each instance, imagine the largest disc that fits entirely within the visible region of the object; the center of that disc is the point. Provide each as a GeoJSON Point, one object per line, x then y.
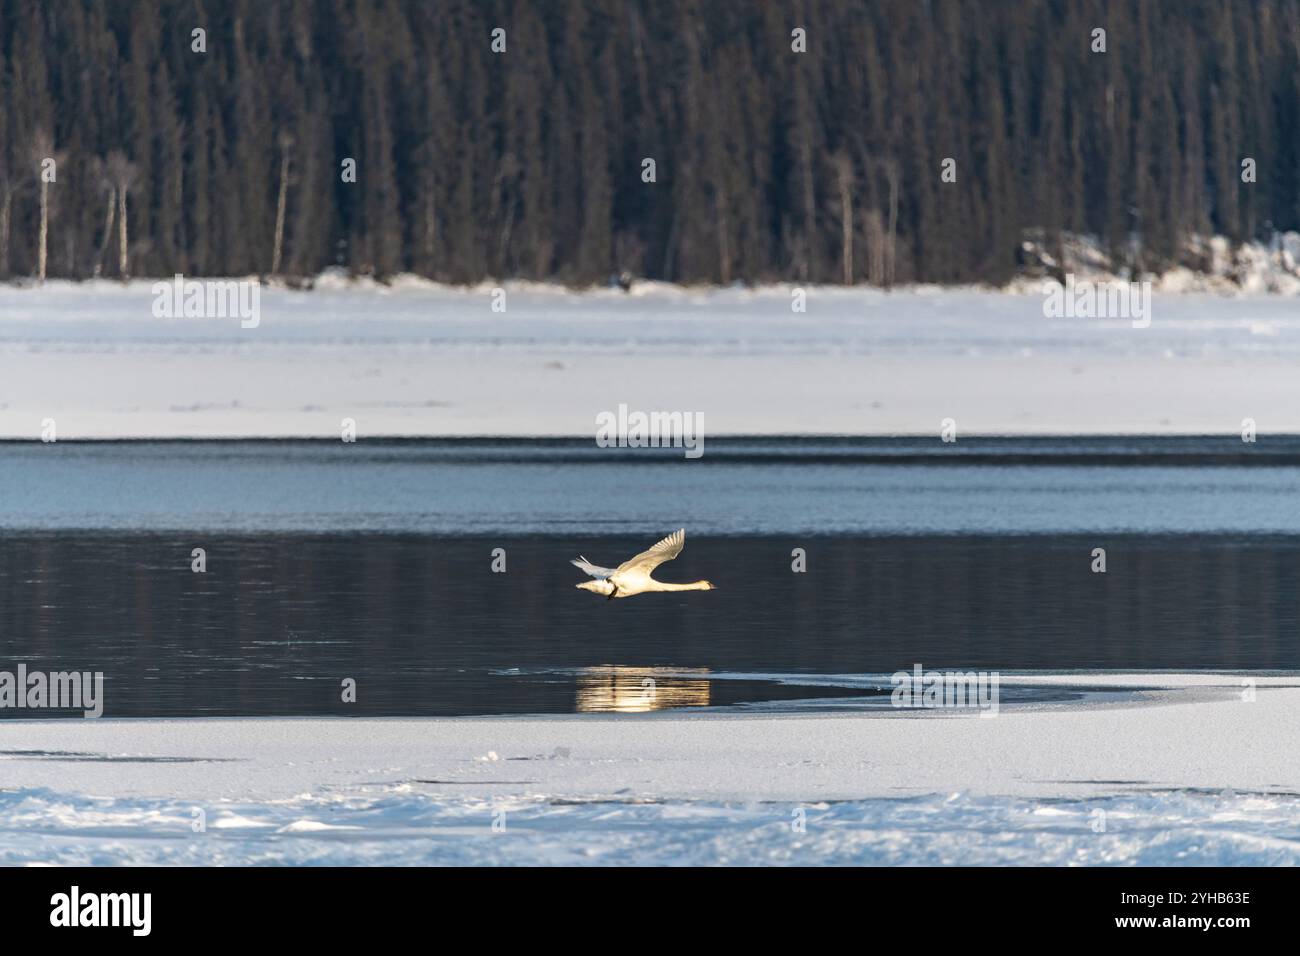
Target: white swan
{"type": "Point", "coordinates": [633, 576]}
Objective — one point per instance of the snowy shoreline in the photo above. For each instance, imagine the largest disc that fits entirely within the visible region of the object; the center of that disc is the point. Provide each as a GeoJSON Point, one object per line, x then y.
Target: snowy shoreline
{"type": "Point", "coordinates": [1185, 762]}
{"type": "Point", "coordinates": [421, 360]}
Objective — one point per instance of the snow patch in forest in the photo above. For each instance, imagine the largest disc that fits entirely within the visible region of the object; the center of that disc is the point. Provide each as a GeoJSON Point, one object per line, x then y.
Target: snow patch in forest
{"type": "Point", "coordinates": [1221, 267]}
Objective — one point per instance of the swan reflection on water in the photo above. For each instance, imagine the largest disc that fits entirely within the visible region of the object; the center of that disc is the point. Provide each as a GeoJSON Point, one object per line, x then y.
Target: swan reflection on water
{"type": "Point", "coordinates": [635, 690]}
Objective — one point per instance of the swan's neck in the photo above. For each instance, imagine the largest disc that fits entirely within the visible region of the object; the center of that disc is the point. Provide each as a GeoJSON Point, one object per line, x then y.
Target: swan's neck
{"type": "Point", "coordinates": [693, 586]}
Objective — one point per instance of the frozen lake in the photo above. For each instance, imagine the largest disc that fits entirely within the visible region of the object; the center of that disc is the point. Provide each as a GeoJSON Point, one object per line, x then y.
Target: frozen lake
{"type": "Point", "coordinates": [669, 728]}
{"type": "Point", "coordinates": [419, 359]}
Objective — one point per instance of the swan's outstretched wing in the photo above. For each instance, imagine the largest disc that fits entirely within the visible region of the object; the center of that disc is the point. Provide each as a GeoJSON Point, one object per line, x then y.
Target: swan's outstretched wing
{"type": "Point", "coordinates": [594, 570]}
{"type": "Point", "coordinates": [665, 550]}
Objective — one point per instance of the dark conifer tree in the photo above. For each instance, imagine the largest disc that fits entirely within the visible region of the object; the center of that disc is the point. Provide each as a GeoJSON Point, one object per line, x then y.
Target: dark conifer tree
{"type": "Point", "coordinates": [820, 163]}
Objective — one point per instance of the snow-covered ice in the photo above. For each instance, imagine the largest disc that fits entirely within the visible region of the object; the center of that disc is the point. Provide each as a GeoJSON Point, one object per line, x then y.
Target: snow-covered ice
{"type": "Point", "coordinates": [1160, 769]}
{"type": "Point", "coordinates": [415, 358]}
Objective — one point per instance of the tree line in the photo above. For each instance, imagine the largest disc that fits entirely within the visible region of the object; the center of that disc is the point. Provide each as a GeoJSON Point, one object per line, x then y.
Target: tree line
{"type": "Point", "coordinates": [875, 141]}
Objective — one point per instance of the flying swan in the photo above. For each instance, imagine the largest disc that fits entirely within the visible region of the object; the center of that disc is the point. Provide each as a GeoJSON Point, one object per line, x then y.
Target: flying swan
{"type": "Point", "coordinates": [633, 576]}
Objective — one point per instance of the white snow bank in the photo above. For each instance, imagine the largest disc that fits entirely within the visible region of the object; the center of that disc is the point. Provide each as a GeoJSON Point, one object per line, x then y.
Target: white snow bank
{"type": "Point", "coordinates": [1185, 771]}
{"type": "Point", "coordinates": [418, 359]}
{"type": "Point", "coordinates": [396, 828]}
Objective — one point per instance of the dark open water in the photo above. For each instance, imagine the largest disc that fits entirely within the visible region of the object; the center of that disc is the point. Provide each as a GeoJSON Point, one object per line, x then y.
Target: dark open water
{"type": "Point", "coordinates": [374, 562]}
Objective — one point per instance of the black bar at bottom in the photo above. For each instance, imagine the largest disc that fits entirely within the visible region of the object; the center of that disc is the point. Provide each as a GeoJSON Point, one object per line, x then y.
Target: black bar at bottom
{"type": "Point", "coordinates": [336, 905]}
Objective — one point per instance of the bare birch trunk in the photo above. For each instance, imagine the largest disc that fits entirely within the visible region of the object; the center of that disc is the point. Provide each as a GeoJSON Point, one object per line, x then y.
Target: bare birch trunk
{"type": "Point", "coordinates": [121, 235]}
{"type": "Point", "coordinates": [108, 231]}
{"type": "Point", "coordinates": [893, 221]}
{"type": "Point", "coordinates": [280, 206]}
{"type": "Point", "coordinates": [844, 170]}
{"type": "Point", "coordinates": [45, 230]}
{"type": "Point", "coordinates": [6, 206]}
{"type": "Point", "coordinates": [724, 252]}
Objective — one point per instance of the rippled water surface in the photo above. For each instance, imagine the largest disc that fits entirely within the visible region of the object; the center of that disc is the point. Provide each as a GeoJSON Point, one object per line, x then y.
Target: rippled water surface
{"type": "Point", "coordinates": [375, 562]}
